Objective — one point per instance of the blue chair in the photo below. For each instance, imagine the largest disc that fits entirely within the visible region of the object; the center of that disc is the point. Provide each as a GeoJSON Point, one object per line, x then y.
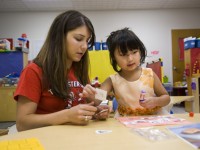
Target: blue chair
{"type": "Point", "coordinates": [115, 104]}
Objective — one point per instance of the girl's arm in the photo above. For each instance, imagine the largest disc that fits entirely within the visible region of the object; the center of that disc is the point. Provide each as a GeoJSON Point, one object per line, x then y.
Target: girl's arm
{"type": "Point", "coordinates": [28, 119]}
{"type": "Point", "coordinates": [107, 85]}
{"type": "Point", "coordinates": [163, 97]}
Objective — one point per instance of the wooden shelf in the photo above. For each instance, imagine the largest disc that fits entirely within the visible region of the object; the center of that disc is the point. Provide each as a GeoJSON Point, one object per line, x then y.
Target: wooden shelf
{"type": "Point", "coordinates": [7, 104]}
{"type": "Point", "coordinates": [190, 56]}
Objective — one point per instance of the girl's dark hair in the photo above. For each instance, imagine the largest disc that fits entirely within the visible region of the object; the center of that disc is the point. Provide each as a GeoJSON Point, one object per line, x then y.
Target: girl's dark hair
{"type": "Point", "coordinates": [125, 40]}
{"type": "Point", "coordinates": [52, 57]}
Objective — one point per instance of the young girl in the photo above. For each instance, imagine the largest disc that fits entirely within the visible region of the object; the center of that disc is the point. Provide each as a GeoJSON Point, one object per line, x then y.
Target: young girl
{"type": "Point", "coordinates": [48, 89]}
{"type": "Point", "coordinates": [138, 90]}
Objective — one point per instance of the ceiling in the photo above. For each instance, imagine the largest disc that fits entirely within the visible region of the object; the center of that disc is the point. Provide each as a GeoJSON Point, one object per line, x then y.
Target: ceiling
{"type": "Point", "coordinates": [92, 5]}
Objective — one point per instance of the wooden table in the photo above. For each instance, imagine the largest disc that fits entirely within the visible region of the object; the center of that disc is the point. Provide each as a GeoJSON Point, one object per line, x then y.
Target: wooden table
{"type": "Point", "coordinates": [85, 137]}
{"type": "Point", "coordinates": [179, 99]}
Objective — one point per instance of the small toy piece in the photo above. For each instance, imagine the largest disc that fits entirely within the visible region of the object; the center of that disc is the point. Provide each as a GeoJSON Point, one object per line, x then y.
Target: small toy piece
{"type": "Point", "coordinates": [191, 114]}
{"type": "Point", "coordinates": [95, 82]}
{"type": "Point", "coordinates": [142, 95]}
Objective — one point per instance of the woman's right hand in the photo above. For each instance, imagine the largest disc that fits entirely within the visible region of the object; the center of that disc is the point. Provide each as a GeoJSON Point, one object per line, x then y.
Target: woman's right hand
{"type": "Point", "coordinates": [88, 92]}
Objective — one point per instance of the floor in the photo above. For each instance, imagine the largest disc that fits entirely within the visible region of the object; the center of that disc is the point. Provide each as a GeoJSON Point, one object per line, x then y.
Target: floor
{"type": "Point", "coordinates": [12, 129]}
{"type": "Point", "coordinates": [175, 109]}
{"type": "Point", "coordinates": [178, 109]}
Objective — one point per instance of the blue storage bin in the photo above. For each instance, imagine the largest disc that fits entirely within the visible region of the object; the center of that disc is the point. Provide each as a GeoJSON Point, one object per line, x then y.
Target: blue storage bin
{"type": "Point", "coordinates": [104, 46]}
{"type": "Point", "coordinates": [198, 43]}
{"type": "Point", "coordinates": [97, 45]}
{"type": "Point", "coordinates": [189, 44]}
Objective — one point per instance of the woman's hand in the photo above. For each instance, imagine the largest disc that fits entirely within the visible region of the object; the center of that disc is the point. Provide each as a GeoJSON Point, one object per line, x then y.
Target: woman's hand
{"type": "Point", "coordinates": [81, 114]}
{"type": "Point", "coordinates": [88, 92]}
{"type": "Point", "coordinates": [103, 112]}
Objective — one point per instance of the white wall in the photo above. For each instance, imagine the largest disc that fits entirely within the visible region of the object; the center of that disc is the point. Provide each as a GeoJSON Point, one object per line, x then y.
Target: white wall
{"type": "Point", "coordinates": [153, 27]}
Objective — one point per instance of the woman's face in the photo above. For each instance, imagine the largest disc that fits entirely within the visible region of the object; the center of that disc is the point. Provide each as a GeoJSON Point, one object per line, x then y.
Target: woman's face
{"type": "Point", "coordinates": [77, 44]}
{"type": "Point", "coordinates": [129, 61]}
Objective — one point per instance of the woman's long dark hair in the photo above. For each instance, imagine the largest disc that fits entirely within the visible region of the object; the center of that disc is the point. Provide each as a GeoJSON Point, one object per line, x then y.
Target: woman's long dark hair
{"type": "Point", "coordinates": [52, 57]}
{"type": "Point", "coordinates": [125, 40]}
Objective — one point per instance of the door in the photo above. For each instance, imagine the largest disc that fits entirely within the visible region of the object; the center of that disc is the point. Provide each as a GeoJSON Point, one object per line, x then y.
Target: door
{"type": "Point", "coordinates": [177, 64]}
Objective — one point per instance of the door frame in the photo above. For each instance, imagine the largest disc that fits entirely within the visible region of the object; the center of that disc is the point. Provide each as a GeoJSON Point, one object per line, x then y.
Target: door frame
{"type": "Point", "coordinates": [178, 65]}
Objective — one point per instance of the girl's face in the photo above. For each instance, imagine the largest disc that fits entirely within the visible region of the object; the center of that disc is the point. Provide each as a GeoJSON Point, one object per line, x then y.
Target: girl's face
{"type": "Point", "coordinates": [129, 61]}
{"type": "Point", "coordinates": [77, 44]}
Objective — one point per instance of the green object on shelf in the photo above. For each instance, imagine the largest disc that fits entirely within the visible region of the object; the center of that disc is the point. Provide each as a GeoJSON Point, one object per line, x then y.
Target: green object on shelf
{"type": "Point", "coordinates": [165, 79]}
{"type": "Point", "coordinates": [4, 50]}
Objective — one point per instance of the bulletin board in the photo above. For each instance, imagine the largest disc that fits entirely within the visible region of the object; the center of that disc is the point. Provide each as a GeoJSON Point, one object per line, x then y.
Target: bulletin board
{"type": "Point", "coordinates": [11, 62]}
{"type": "Point", "coordinates": [100, 65]}
{"type": "Point", "coordinates": [157, 67]}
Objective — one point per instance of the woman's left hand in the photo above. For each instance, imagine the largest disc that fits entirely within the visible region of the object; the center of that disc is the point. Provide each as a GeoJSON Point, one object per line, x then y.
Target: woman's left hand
{"type": "Point", "coordinates": [103, 112]}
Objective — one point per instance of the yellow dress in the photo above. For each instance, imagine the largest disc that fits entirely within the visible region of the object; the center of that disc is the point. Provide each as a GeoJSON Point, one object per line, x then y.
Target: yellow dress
{"type": "Point", "coordinates": [128, 93]}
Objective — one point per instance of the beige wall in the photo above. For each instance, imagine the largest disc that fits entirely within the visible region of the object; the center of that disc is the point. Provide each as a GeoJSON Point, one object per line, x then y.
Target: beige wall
{"type": "Point", "coordinates": [152, 26]}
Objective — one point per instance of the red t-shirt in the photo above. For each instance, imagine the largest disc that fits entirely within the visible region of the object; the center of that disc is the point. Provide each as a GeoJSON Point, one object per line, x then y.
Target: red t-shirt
{"type": "Point", "coordinates": [30, 86]}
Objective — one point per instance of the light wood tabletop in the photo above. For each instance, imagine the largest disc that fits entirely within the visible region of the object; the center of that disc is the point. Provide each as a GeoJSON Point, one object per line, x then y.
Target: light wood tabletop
{"type": "Point", "coordinates": [191, 99]}
{"type": "Point", "coordinates": [179, 99]}
{"type": "Point", "coordinates": [74, 137]}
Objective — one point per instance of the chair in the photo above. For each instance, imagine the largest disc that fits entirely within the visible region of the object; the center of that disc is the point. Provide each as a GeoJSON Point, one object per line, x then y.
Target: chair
{"type": "Point", "coordinates": [114, 104]}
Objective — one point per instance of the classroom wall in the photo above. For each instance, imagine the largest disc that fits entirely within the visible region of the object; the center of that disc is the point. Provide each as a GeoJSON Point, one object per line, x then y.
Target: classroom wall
{"type": "Point", "coordinates": [153, 27]}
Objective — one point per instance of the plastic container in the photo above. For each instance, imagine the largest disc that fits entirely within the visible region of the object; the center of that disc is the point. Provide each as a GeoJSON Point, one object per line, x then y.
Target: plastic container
{"type": "Point", "coordinates": [189, 44]}
{"type": "Point", "coordinates": [104, 46]}
{"type": "Point", "coordinates": [97, 45]}
{"type": "Point", "coordinates": [198, 43]}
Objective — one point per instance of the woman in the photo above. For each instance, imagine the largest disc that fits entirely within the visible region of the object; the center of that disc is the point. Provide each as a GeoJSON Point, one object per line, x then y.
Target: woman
{"type": "Point", "coordinates": [48, 89]}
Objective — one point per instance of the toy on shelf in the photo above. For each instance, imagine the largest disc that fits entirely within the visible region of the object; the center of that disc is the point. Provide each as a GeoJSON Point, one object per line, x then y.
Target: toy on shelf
{"type": "Point", "coordinates": [9, 80]}
{"type": "Point", "coordinates": [23, 43]}
{"type": "Point", "coordinates": [5, 45]}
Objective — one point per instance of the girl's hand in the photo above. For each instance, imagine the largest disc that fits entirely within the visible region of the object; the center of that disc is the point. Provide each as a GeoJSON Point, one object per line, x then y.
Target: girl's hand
{"type": "Point", "coordinates": [148, 102]}
{"type": "Point", "coordinates": [88, 92]}
{"type": "Point", "coordinates": [81, 114]}
{"type": "Point", "coordinates": [103, 112]}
